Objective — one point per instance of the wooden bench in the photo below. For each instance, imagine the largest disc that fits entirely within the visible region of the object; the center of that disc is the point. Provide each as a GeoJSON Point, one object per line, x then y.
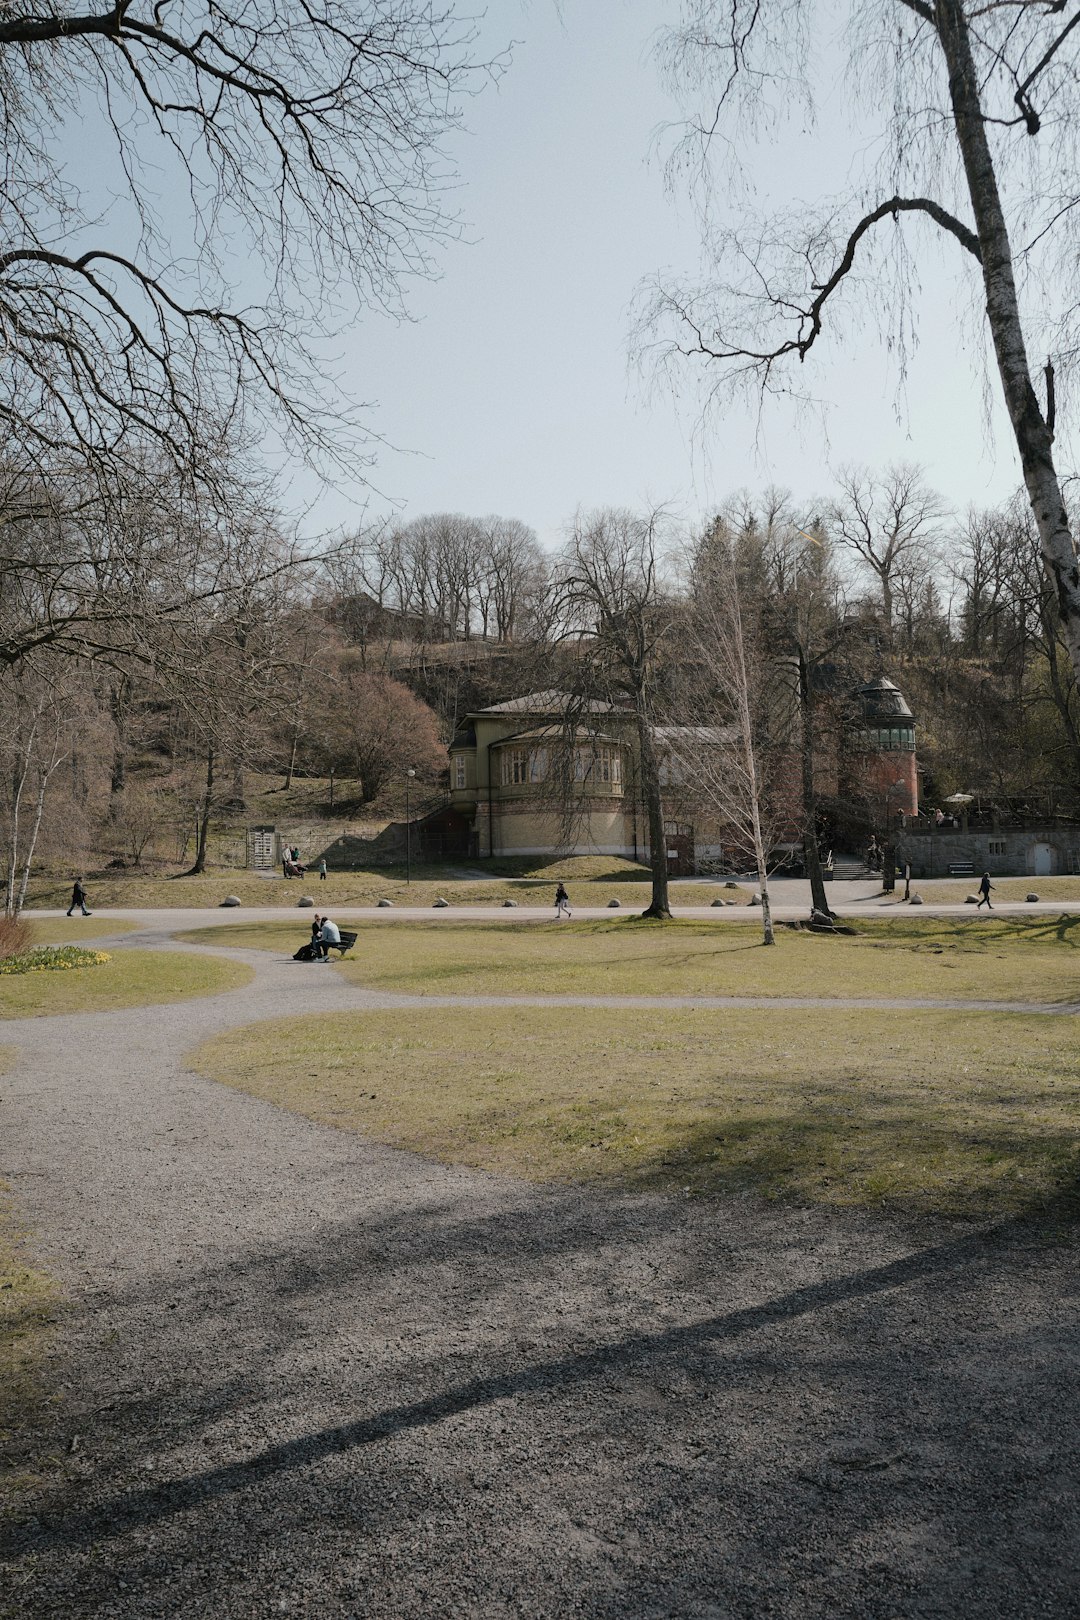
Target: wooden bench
{"type": "Point", "coordinates": [346, 943]}
{"type": "Point", "coordinates": [961, 868]}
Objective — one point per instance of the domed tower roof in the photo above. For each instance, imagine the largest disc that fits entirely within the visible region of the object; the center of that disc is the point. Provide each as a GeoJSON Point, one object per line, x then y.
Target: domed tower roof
{"type": "Point", "coordinates": [883, 700]}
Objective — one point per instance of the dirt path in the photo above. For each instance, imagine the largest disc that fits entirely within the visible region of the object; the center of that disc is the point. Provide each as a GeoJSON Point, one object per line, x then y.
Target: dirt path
{"type": "Point", "coordinates": [309, 1375]}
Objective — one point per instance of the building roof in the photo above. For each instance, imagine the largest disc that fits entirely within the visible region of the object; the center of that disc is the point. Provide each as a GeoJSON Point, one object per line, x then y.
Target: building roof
{"type": "Point", "coordinates": [547, 703]}
{"type": "Point", "coordinates": [883, 700]}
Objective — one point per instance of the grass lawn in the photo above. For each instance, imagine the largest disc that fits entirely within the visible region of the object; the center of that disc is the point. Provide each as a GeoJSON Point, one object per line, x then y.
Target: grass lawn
{"type": "Point", "coordinates": [1033, 958]}
{"type": "Point", "coordinates": [27, 1303]}
{"type": "Point", "coordinates": [128, 979]}
{"type": "Point", "coordinates": [949, 1113]}
{"type": "Point", "coordinates": [592, 880]}
{"type": "Point", "coordinates": [73, 930]}
{"type": "Point", "coordinates": [27, 1306]}
{"type": "Point", "coordinates": [954, 891]}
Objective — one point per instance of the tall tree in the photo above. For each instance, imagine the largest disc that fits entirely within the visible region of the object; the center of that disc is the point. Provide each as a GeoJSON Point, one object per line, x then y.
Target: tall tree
{"type": "Point", "coordinates": [891, 523]}
{"type": "Point", "coordinates": [995, 87]}
{"type": "Point", "coordinates": [303, 150]}
{"type": "Point", "coordinates": [613, 594]}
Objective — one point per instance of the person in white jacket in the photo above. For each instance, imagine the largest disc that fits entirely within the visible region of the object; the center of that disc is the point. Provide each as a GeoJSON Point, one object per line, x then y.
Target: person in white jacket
{"type": "Point", "coordinates": [329, 934]}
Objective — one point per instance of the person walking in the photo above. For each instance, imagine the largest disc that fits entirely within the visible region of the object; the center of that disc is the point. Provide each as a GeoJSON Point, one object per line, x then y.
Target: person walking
{"type": "Point", "coordinates": [322, 870]}
{"type": "Point", "coordinates": [985, 886]}
{"type": "Point", "coordinates": [562, 901]}
{"type": "Point", "coordinates": [78, 898]}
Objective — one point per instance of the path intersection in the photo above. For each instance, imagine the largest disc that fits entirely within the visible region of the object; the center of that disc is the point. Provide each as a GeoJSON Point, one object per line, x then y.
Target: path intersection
{"type": "Point", "coordinates": [300, 1373]}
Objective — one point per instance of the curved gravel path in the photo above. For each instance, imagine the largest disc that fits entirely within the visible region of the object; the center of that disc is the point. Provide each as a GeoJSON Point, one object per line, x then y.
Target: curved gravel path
{"type": "Point", "coordinates": [304, 1374]}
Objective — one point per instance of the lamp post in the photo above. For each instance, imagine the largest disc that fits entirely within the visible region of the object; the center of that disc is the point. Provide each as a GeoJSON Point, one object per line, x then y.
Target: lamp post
{"type": "Point", "coordinates": [408, 828]}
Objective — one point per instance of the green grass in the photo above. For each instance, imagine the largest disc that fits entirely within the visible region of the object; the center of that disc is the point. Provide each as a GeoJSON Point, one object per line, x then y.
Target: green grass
{"type": "Point", "coordinates": [593, 881]}
{"type": "Point", "coordinates": [28, 1301]}
{"type": "Point", "coordinates": [949, 1113]}
{"type": "Point", "coordinates": [128, 979]}
{"type": "Point", "coordinates": [73, 930]}
{"type": "Point", "coordinates": [954, 891]}
{"type": "Point", "coordinates": [1033, 958]}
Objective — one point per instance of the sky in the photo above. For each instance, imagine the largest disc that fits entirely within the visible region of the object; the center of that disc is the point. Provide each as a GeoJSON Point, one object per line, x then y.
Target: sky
{"type": "Point", "coordinates": [511, 390]}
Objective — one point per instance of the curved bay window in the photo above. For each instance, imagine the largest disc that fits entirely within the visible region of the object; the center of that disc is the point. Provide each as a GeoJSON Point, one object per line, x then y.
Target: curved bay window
{"type": "Point", "coordinates": [521, 767]}
{"type": "Point", "coordinates": [896, 738]}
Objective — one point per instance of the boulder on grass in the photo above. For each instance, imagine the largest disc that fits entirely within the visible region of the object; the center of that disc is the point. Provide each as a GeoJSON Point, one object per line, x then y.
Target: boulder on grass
{"type": "Point", "coordinates": [971, 899]}
{"type": "Point", "coordinates": [440, 904]}
{"type": "Point", "coordinates": [231, 900]}
{"type": "Point", "coordinates": [1033, 899]}
{"type": "Point", "coordinates": [386, 902]}
{"type": "Point", "coordinates": [613, 905]}
{"type": "Point", "coordinates": [305, 900]}
{"type": "Point", "coordinates": [754, 900]}
{"type": "Point", "coordinates": [509, 903]}
{"type": "Point", "coordinates": [721, 902]}
{"type": "Point", "coordinates": [916, 900]}
{"type": "Point", "coordinates": [731, 884]}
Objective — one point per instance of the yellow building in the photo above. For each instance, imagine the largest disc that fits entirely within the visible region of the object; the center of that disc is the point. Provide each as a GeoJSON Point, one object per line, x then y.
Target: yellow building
{"type": "Point", "coordinates": [544, 773]}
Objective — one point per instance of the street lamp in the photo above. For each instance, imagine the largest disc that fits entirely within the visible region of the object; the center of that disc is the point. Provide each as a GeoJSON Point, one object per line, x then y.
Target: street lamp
{"type": "Point", "coordinates": [408, 828]}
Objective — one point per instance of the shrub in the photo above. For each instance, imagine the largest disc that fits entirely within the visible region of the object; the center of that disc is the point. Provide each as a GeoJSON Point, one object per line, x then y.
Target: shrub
{"type": "Point", "coordinates": [14, 937]}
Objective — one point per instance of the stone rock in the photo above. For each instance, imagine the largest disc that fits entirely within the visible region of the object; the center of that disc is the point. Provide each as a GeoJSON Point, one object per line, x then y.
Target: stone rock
{"type": "Point", "coordinates": [754, 900]}
{"type": "Point", "coordinates": [1033, 898]}
{"type": "Point", "coordinates": [509, 903]}
{"type": "Point", "coordinates": [916, 900]}
{"type": "Point", "coordinates": [731, 884]}
{"type": "Point", "coordinates": [440, 904]}
{"type": "Point", "coordinates": [231, 900]}
{"type": "Point", "coordinates": [971, 899]}
{"type": "Point", "coordinates": [386, 902]}
{"type": "Point", "coordinates": [721, 902]}
{"type": "Point", "coordinates": [613, 905]}
{"type": "Point", "coordinates": [305, 900]}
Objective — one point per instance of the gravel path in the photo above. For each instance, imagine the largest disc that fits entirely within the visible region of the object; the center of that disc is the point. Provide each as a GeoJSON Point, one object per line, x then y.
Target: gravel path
{"type": "Point", "coordinates": [309, 1375]}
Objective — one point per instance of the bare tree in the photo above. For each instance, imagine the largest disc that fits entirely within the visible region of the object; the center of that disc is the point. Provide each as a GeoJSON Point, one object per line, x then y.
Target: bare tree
{"type": "Point", "coordinates": [305, 143]}
{"type": "Point", "coordinates": [35, 739]}
{"type": "Point", "coordinates": [613, 594]}
{"type": "Point", "coordinates": [726, 694]}
{"type": "Point", "coordinates": [994, 86]}
{"type": "Point", "coordinates": [892, 524]}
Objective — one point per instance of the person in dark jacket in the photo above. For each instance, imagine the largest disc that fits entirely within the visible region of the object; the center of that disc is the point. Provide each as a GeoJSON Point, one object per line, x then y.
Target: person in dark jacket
{"type": "Point", "coordinates": [562, 901]}
{"type": "Point", "coordinates": [985, 886]}
{"type": "Point", "coordinates": [78, 898]}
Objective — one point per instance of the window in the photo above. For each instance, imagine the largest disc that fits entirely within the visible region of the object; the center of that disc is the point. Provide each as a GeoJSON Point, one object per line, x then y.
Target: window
{"type": "Point", "coordinates": [538, 765]}
{"type": "Point", "coordinates": [603, 764]}
{"type": "Point", "coordinates": [459, 770]}
{"type": "Point", "coordinates": [893, 737]}
{"type": "Point", "coordinates": [515, 765]}
{"type": "Point", "coordinates": [997, 846]}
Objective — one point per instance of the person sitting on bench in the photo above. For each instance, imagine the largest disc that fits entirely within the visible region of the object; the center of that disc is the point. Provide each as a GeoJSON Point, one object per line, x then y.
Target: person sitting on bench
{"type": "Point", "coordinates": [329, 934]}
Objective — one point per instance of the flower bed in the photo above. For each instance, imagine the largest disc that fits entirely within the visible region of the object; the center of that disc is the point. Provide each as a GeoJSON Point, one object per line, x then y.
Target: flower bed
{"type": "Point", "coordinates": [52, 958]}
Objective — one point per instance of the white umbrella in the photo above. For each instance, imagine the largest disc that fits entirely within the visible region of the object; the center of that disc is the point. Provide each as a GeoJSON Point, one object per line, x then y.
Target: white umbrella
{"type": "Point", "coordinates": [959, 798]}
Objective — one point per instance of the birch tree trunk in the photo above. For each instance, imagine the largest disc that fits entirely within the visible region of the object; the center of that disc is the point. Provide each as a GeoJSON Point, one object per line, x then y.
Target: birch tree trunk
{"type": "Point", "coordinates": [1034, 439]}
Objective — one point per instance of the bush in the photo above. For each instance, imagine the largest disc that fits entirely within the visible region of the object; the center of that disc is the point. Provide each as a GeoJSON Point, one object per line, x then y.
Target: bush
{"type": "Point", "coordinates": [14, 937]}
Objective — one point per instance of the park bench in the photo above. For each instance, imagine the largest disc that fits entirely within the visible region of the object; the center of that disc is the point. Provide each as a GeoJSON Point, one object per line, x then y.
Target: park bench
{"type": "Point", "coordinates": [961, 868]}
{"type": "Point", "coordinates": [346, 943]}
